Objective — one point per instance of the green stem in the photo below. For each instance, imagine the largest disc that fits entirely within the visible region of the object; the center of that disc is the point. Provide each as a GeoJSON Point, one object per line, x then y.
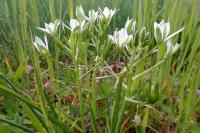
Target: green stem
{"type": "Point", "coordinates": [127, 93]}
{"type": "Point", "coordinates": [93, 106]}
{"type": "Point", "coordinates": [94, 92]}
{"type": "Point", "coordinates": [77, 75]}
{"type": "Point", "coordinates": [80, 97]}
{"type": "Point", "coordinates": [93, 118]}
{"type": "Point", "coordinates": [39, 88]}
{"type": "Point", "coordinates": [124, 103]}
{"type": "Point", "coordinates": [116, 105]}
{"type": "Point", "coordinates": [52, 77]}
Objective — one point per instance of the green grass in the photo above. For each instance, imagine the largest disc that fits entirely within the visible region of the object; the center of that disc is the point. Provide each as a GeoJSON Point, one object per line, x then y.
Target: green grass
{"type": "Point", "coordinates": [147, 94]}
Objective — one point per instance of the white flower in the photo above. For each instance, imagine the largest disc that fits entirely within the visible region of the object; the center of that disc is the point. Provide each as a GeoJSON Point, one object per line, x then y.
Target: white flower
{"type": "Point", "coordinates": [106, 14]}
{"type": "Point", "coordinates": [162, 30]}
{"type": "Point", "coordinates": [80, 13]}
{"type": "Point", "coordinates": [130, 25]}
{"type": "Point", "coordinates": [92, 16]}
{"type": "Point", "coordinates": [41, 46]}
{"type": "Point", "coordinates": [171, 48]}
{"type": "Point", "coordinates": [120, 38]}
{"type": "Point", "coordinates": [75, 25]}
{"type": "Point", "coordinates": [51, 28]}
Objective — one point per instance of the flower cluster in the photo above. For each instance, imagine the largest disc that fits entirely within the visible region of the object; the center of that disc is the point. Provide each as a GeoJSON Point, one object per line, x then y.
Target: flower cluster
{"type": "Point", "coordinates": [75, 25]}
{"type": "Point", "coordinates": [121, 37]}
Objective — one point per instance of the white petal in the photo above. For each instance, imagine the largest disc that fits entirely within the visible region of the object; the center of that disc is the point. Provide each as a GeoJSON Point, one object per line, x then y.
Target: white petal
{"type": "Point", "coordinates": [82, 23]}
{"type": "Point", "coordinates": [127, 23]}
{"type": "Point", "coordinates": [46, 42]}
{"type": "Point", "coordinates": [113, 12]}
{"type": "Point", "coordinates": [92, 16]}
{"type": "Point", "coordinates": [175, 48]}
{"type": "Point", "coordinates": [73, 24]}
{"type": "Point", "coordinates": [106, 12]}
{"type": "Point", "coordinates": [51, 26]}
{"type": "Point", "coordinates": [128, 39]}
{"type": "Point", "coordinates": [110, 37]}
{"type": "Point", "coordinates": [36, 46]}
{"type": "Point", "coordinates": [156, 25]}
{"type": "Point", "coordinates": [169, 46]}
{"type": "Point", "coordinates": [84, 27]}
{"type": "Point", "coordinates": [38, 40]}
{"type": "Point", "coordinates": [43, 30]}
{"type": "Point", "coordinates": [80, 13]}
{"type": "Point", "coordinates": [167, 28]}
{"type": "Point", "coordinates": [46, 25]}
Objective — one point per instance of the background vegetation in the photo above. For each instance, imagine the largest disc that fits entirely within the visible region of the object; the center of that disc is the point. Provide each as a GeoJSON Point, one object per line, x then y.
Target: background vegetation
{"type": "Point", "coordinates": [165, 100]}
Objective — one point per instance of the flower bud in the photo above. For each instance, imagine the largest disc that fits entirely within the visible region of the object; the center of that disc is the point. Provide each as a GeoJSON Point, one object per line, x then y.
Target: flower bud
{"type": "Point", "coordinates": [158, 36]}
{"type": "Point", "coordinates": [130, 25]}
{"type": "Point", "coordinates": [143, 34]}
{"type": "Point", "coordinates": [147, 36]}
{"type": "Point", "coordinates": [80, 13]}
{"type": "Point", "coordinates": [161, 31]}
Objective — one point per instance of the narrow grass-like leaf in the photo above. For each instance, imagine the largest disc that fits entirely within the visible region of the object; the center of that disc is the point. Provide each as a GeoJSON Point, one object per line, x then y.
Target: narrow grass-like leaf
{"type": "Point", "coordinates": [22, 127]}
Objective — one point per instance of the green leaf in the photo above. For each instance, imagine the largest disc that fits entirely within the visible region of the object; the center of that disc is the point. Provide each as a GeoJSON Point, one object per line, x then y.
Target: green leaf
{"type": "Point", "coordinates": [35, 121]}
{"type": "Point", "coordinates": [22, 127]}
{"type": "Point", "coordinates": [145, 119]}
{"type": "Point", "coordinates": [195, 129]}
{"type": "Point", "coordinates": [19, 71]}
{"type": "Point", "coordinates": [19, 96]}
{"type": "Point", "coordinates": [4, 128]}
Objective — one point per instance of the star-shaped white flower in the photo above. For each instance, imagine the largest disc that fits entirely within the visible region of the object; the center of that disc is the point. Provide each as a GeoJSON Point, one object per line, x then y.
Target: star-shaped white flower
{"type": "Point", "coordinates": [172, 48]}
{"type": "Point", "coordinates": [51, 28]}
{"type": "Point", "coordinates": [120, 38]}
{"type": "Point", "coordinates": [162, 30]}
{"type": "Point", "coordinates": [92, 16]}
{"type": "Point", "coordinates": [106, 14]}
{"type": "Point", "coordinates": [41, 46]}
{"type": "Point", "coordinates": [74, 25]}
